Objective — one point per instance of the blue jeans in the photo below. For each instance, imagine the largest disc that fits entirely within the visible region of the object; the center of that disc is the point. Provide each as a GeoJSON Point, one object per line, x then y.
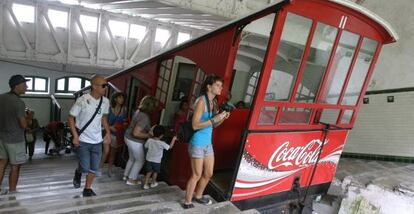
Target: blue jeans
{"type": "Point", "coordinates": [89, 157]}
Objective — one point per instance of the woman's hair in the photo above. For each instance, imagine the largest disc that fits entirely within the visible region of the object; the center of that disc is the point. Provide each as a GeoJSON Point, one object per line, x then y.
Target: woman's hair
{"type": "Point", "coordinates": [148, 104]}
{"type": "Point", "coordinates": [115, 96]}
{"type": "Point", "coordinates": [210, 80]}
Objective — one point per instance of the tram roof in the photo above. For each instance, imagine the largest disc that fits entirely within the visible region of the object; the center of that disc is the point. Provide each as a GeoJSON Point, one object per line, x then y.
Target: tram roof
{"type": "Point", "coordinates": [246, 19]}
{"type": "Point", "coordinates": [371, 15]}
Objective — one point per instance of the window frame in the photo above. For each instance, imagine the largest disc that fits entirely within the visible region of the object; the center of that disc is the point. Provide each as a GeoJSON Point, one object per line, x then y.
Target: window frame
{"type": "Point", "coordinates": [66, 78]}
{"type": "Point", "coordinates": [33, 84]}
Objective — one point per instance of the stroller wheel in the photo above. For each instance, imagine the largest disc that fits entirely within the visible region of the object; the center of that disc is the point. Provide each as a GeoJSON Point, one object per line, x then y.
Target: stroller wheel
{"type": "Point", "coordinates": [67, 151]}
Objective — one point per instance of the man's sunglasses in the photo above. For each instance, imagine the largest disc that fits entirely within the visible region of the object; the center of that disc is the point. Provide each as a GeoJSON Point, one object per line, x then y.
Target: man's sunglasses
{"type": "Point", "coordinates": [103, 85]}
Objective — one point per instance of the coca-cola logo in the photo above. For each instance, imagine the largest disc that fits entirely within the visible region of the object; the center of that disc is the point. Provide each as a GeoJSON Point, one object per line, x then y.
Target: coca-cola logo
{"type": "Point", "coordinates": [286, 156]}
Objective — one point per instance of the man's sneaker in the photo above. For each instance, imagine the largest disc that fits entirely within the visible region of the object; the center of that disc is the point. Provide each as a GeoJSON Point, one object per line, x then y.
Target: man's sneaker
{"type": "Point", "coordinates": [145, 186]}
{"type": "Point", "coordinates": [187, 206]}
{"type": "Point", "coordinates": [203, 200]}
{"type": "Point", "coordinates": [155, 184]}
{"type": "Point", "coordinates": [88, 193]}
{"type": "Point", "coordinates": [77, 179]}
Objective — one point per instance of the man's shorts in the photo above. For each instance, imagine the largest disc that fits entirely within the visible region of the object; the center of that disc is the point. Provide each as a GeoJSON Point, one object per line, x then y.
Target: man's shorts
{"type": "Point", "coordinates": [14, 152]}
{"type": "Point", "coordinates": [152, 167]}
{"type": "Point", "coordinates": [200, 152]}
{"type": "Point", "coordinates": [89, 157]}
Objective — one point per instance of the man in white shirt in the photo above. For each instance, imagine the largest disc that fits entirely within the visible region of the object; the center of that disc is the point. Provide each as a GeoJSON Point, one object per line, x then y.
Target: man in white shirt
{"type": "Point", "coordinates": [89, 142]}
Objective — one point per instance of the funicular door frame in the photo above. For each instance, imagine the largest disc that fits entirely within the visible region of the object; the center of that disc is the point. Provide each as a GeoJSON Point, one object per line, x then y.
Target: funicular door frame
{"type": "Point", "coordinates": [342, 19]}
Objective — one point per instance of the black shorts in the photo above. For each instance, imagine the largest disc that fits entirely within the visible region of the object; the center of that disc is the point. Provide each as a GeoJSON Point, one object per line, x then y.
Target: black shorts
{"type": "Point", "coordinates": [152, 167]}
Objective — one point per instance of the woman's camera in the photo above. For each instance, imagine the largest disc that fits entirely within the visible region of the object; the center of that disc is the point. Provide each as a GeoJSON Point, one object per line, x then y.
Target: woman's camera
{"type": "Point", "coordinates": [226, 107]}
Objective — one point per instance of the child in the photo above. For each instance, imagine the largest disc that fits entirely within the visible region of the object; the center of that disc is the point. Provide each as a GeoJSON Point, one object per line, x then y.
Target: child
{"type": "Point", "coordinates": [155, 151]}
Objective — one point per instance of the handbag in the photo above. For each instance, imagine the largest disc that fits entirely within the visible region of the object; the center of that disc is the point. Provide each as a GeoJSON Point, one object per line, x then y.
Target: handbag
{"type": "Point", "coordinates": [186, 131]}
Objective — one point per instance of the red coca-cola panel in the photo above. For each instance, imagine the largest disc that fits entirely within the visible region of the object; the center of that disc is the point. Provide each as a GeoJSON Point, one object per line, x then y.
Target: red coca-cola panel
{"type": "Point", "coordinates": [271, 161]}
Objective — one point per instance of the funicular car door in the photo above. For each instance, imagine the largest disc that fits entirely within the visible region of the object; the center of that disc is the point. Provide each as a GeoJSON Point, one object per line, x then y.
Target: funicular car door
{"type": "Point", "coordinates": [319, 61]}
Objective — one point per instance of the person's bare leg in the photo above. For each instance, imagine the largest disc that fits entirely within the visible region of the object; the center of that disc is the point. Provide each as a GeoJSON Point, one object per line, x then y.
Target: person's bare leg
{"type": "Point", "coordinates": [208, 167]}
{"type": "Point", "coordinates": [106, 148]}
{"type": "Point", "coordinates": [196, 172]}
{"type": "Point", "coordinates": [3, 165]}
{"type": "Point", "coordinates": [112, 156]}
{"type": "Point", "coordinates": [89, 180]}
{"type": "Point", "coordinates": [154, 177]}
{"type": "Point", "coordinates": [147, 177]}
{"type": "Point", "coordinates": [14, 177]}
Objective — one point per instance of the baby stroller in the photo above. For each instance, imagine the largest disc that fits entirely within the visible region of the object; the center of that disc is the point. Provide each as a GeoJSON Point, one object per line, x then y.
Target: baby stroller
{"type": "Point", "coordinates": [59, 132]}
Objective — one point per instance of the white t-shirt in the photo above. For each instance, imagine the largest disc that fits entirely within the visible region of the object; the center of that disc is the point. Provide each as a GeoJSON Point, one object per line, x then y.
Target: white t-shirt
{"type": "Point", "coordinates": [83, 109]}
{"type": "Point", "coordinates": [155, 149]}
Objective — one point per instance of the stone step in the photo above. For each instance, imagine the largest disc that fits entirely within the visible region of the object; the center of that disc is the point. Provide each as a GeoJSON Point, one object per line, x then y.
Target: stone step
{"type": "Point", "coordinates": [77, 202]}
{"type": "Point", "coordinates": [67, 192]}
{"type": "Point", "coordinates": [215, 208]}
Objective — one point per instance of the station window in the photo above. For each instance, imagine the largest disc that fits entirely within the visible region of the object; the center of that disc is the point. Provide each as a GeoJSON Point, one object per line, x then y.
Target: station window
{"type": "Point", "coordinates": [24, 13]}
{"type": "Point", "coordinates": [118, 28]}
{"type": "Point", "coordinates": [137, 32]}
{"type": "Point", "coordinates": [89, 23]}
{"type": "Point", "coordinates": [71, 84]}
{"type": "Point", "coordinates": [161, 36]}
{"type": "Point", "coordinates": [58, 18]}
{"type": "Point", "coordinates": [182, 37]}
{"type": "Point", "coordinates": [37, 84]}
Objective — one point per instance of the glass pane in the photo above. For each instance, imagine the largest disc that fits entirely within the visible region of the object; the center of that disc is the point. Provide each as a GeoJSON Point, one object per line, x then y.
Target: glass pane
{"type": "Point", "coordinates": [40, 84]}
{"type": "Point", "coordinates": [159, 83]}
{"type": "Point", "coordinates": [87, 83]}
{"type": "Point", "coordinates": [167, 74]}
{"type": "Point", "coordinates": [61, 84]}
{"type": "Point", "coordinates": [184, 80]}
{"type": "Point", "coordinates": [339, 69]}
{"type": "Point", "coordinates": [316, 62]}
{"type": "Point", "coordinates": [158, 93]}
{"type": "Point", "coordinates": [162, 71]}
{"type": "Point", "coordinates": [289, 55]}
{"type": "Point", "coordinates": [267, 116]}
{"type": "Point", "coordinates": [29, 83]}
{"type": "Point", "coordinates": [163, 97]}
{"type": "Point", "coordinates": [165, 86]}
{"type": "Point", "coordinates": [251, 52]}
{"type": "Point", "coordinates": [169, 63]}
{"type": "Point", "coordinates": [74, 84]}
{"type": "Point", "coordinates": [295, 116]}
{"type": "Point", "coordinates": [196, 90]}
{"type": "Point", "coordinates": [359, 72]}
{"type": "Point", "coordinates": [330, 116]}
{"type": "Point", "coordinates": [346, 118]}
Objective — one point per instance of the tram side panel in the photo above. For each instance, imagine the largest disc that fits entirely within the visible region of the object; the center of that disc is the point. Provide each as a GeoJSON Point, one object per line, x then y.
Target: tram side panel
{"type": "Point", "coordinates": [271, 161]}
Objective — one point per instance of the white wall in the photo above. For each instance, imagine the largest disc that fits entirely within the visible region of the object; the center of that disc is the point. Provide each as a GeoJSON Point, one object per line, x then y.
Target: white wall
{"type": "Point", "coordinates": [384, 128]}
{"type": "Point", "coordinates": [394, 67]}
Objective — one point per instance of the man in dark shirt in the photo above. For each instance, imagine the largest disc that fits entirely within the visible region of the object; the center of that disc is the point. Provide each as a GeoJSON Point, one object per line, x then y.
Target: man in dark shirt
{"type": "Point", "coordinates": [12, 126]}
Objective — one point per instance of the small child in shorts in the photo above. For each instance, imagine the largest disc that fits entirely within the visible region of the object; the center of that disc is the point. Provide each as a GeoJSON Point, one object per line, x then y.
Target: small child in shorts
{"type": "Point", "coordinates": [154, 155]}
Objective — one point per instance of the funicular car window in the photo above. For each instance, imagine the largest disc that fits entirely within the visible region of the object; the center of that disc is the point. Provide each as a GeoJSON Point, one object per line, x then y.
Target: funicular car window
{"type": "Point", "coordinates": [316, 63]}
{"type": "Point", "coordinates": [252, 48]}
{"type": "Point", "coordinates": [289, 55]}
{"type": "Point", "coordinates": [359, 72]}
{"type": "Point", "coordinates": [342, 61]}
